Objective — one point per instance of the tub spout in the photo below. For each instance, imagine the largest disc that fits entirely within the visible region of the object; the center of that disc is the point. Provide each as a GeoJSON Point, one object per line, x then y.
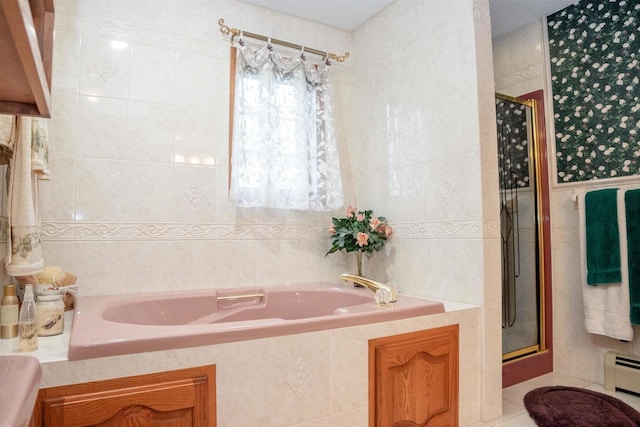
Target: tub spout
{"type": "Point", "coordinates": [392, 294]}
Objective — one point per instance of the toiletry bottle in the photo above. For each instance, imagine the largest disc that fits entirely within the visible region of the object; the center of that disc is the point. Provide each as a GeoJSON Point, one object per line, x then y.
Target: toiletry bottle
{"type": "Point", "coordinates": [9, 313]}
{"type": "Point", "coordinates": [28, 321]}
{"type": "Point", "coordinates": [50, 315]}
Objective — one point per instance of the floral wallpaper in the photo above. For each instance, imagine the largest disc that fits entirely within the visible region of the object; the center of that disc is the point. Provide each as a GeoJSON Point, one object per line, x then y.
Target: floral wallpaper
{"type": "Point", "coordinates": [513, 144]}
{"type": "Point", "coordinates": [595, 52]}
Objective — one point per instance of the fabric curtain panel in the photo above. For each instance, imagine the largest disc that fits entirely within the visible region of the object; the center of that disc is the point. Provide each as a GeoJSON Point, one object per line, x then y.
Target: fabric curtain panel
{"type": "Point", "coordinates": [284, 152]}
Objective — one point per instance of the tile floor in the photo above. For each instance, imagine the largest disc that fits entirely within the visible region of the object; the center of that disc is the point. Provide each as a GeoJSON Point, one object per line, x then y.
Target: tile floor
{"type": "Point", "coordinates": [514, 413]}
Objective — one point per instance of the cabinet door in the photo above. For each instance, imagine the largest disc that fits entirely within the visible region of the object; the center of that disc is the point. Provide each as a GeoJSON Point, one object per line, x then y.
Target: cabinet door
{"type": "Point", "coordinates": [168, 399]}
{"type": "Point", "coordinates": [413, 379]}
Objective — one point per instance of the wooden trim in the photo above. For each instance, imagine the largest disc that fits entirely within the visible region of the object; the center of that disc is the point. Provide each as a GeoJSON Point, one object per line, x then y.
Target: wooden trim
{"type": "Point", "coordinates": [48, 5]}
{"type": "Point", "coordinates": [25, 78]}
{"type": "Point", "coordinates": [232, 97]}
{"type": "Point", "coordinates": [19, 108]}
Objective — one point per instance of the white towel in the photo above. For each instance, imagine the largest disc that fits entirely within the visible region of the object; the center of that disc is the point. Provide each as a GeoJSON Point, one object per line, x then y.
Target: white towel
{"type": "Point", "coordinates": [7, 137]}
{"type": "Point", "coordinates": [40, 148]}
{"type": "Point", "coordinates": [606, 306]}
{"type": "Point", "coordinates": [24, 250]}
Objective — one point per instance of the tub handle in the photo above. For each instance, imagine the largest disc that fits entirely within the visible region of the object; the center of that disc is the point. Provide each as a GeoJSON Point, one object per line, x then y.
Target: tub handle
{"type": "Point", "coordinates": [239, 297]}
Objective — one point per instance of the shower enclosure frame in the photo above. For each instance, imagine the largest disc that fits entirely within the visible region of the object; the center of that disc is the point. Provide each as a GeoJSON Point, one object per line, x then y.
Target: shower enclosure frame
{"type": "Point", "coordinates": [537, 360]}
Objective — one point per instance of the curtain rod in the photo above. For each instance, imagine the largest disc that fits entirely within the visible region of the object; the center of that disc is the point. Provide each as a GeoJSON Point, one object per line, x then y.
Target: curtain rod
{"type": "Point", "coordinates": [234, 32]}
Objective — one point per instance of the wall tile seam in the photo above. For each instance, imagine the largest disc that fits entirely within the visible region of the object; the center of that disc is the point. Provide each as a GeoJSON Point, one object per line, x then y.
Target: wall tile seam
{"type": "Point", "coordinates": [210, 46]}
{"type": "Point", "coordinates": [135, 162]}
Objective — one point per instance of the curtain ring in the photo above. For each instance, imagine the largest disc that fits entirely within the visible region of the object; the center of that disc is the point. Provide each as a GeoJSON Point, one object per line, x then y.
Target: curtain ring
{"type": "Point", "coordinates": [302, 53]}
{"type": "Point", "coordinates": [269, 43]}
{"type": "Point", "coordinates": [240, 40]}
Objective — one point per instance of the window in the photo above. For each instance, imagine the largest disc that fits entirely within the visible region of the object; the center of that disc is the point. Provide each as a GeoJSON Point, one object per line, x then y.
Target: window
{"type": "Point", "coordinates": [283, 148]}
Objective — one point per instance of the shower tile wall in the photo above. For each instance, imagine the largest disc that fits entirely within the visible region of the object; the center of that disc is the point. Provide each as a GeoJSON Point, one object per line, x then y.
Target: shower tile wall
{"type": "Point", "coordinates": [576, 353]}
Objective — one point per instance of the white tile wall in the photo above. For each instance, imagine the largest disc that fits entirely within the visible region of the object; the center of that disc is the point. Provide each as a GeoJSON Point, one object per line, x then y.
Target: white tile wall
{"type": "Point", "coordinates": [140, 111]}
{"type": "Point", "coordinates": [431, 145]}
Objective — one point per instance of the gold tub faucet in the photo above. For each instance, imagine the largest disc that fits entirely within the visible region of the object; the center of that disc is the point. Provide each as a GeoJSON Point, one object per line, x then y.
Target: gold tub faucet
{"type": "Point", "coordinates": [391, 293]}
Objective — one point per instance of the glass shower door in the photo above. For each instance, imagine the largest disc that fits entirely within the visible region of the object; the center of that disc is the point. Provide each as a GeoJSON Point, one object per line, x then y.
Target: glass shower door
{"type": "Point", "coordinates": [521, 307]}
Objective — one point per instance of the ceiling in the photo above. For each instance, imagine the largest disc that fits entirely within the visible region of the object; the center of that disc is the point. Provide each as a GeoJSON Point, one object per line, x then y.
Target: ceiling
{"type": "Point", "coordinates": [345, 14]}
{"type": "Point", "coordinates": [506, 15]}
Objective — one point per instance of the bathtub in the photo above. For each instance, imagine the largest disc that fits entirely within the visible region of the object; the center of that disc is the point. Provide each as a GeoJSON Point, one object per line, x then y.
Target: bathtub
{"type": "Point", "coordinates": [125, 324]}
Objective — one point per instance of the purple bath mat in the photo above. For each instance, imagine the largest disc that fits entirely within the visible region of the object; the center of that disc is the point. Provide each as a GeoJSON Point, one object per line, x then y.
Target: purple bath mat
{"type": "Point", "coordinates": [576, 407]}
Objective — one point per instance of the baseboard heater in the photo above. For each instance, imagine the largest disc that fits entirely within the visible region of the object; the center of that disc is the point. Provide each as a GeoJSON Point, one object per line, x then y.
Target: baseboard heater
{"type": "Point", "coordinates": [622, 372]}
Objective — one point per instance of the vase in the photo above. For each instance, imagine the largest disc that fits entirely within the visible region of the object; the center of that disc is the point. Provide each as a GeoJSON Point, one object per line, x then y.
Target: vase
{"type": "Point", "coordinates": [359, 263]}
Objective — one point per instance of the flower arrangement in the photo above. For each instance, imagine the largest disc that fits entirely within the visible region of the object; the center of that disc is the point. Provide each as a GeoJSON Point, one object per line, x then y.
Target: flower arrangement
{"type": "Point", "coordinates": [359, 232]}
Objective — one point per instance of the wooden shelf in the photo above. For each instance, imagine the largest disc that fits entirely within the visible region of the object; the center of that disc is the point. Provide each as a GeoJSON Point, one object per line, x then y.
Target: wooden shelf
{"type": "Point", "coordinates": [26, 47]}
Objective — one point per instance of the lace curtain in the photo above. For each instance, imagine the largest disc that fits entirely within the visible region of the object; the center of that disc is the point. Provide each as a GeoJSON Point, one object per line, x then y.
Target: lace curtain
{"type": "Point", "coordinates": [284, 152]}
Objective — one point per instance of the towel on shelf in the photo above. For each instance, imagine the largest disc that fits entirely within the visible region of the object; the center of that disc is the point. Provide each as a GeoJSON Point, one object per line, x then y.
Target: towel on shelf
{"type": "Point", "coordinates": [40, 148]}
{"type": "Point", "coordinates": [7, 137]}
{"type": "Point", "coordinates": [632, 207]}
{"type": "Point", "coordinates": [24, 250]}
{"type": "Point", "coordinates": [606, 305]}
{"type": "Point", "coordinates": [603, 243]}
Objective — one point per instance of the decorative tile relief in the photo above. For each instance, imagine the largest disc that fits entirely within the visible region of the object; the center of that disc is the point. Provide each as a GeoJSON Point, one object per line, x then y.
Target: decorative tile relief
{"type": "Point", "coordinates": [194, 195]}
{"type": "Point", "coordinates": [565, 235]}
{"type": "Point", "coordinates": [454, 229]}
{"type": "Point", "coordinates": [142, 231]}
{"type": "Point", "coordinates": [299, 378]}
{"type": "Point", "coordinates": [96, 231]}
{"type": "Point", "coordinates": [447, 190]}
{"type": "Point", "coordinates": [520, 76]}
{"type": "Point", "coordinates": [105, 69]}
{"type": "Point", "coordinates": [594, 65]}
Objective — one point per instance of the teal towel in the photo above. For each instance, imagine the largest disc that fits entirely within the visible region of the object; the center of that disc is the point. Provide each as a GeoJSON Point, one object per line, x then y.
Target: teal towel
{"type": "Point", "coordinates": [632, 211]}
{"type": "Point", "coordinates": [603, 240]}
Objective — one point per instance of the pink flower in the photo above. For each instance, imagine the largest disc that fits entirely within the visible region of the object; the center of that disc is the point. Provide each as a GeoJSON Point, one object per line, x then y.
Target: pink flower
{"type": "Point", "coordinates": [374, 222]}
{"type": "Point", "coordinates": [332, 230]}
{"type": "Point", "coordinates": [363, 238]}
{"type": "Point", "coordinates": [360, 217]}
{"type": "Point", "coordinates": [350, 211]}
{"type": "Point", "coordinates": [388, 231]}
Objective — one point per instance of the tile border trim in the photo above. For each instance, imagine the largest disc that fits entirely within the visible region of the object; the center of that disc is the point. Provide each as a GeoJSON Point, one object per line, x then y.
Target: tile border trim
{"type": "Point", "coordinates": [98, 231]}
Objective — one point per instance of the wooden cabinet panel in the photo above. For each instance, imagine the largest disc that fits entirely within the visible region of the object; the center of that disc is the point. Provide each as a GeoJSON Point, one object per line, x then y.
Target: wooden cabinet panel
{"type": "Point", "coordinates": [167, 399]}
{"type": "Point", "coordinates": [413, 379]}
{"type": "Point", "coordinates": [26, 49]}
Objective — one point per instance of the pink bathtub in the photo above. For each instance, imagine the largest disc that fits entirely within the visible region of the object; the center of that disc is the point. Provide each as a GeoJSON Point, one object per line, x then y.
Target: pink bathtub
{"type": "Point", "coordinates": [124, 324]}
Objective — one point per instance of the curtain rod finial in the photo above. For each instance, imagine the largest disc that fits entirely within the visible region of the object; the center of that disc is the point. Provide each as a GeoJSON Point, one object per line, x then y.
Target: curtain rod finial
{"type": "Point", "coordinates": [339, 58]}
{"type": "Point", "coordinates": [226, 30]}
